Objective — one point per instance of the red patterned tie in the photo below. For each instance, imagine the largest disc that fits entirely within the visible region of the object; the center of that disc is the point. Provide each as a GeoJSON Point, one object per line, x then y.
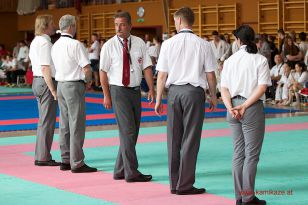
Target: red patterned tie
{"type": "Point", "coordinates": [125, 77]}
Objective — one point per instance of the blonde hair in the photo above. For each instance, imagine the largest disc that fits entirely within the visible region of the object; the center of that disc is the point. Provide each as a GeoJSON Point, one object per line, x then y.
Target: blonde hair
{"type": "Point", "coordinates": [41, 23]}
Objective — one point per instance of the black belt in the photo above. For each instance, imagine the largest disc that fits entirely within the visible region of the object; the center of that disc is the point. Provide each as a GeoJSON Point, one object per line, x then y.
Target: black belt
{"type": "Point", "coordinates": [130, 88]}
{"type": "Point", "coordinates": [239, 97]}
{"type": "Point", "coordinates": [41, 77]}
{"type": "Point", "coordinates": [73, 81]}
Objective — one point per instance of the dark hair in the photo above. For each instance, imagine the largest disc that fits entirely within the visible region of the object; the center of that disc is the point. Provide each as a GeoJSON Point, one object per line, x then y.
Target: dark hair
{"type": "Point", "coordinates": [95, 34]}
{"type": "Point", "coordinates": [124, 14]}
{"type": "Point", "coordinates": [302, 36]}
{"type": "Point", "coordinates": [281, 31]}
{"type": "Point", "coordinates": [215, 33]}
{"type": "Point", "coordinates": [187, 14]}
{"type": "Point", "coordinates": [247, 36]}
{"type": "Point", "coordinates": [302, 65]}
{"type": "Point", "coordinates": [290, 64]}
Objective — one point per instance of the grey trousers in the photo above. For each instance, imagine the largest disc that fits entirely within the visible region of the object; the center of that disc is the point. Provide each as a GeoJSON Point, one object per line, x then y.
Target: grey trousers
{"type": "Point", "coordinates": [184, 126]}
{"type": "Point", "coordinates": [126, 103]}
{"type": "Point", "coordinates": [47, 108]}
{"type": "Point", "coordinates": [71, 96]}
{"type": "Point", "coordinates": [248, 134]}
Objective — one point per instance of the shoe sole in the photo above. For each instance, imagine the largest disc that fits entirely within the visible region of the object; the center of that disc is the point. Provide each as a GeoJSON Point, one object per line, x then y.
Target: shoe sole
{"type": "Point", "coordinates": [75, 171]}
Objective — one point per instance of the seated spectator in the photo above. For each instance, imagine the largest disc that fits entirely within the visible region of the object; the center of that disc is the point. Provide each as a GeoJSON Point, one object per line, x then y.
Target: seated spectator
{"type": "Point", "coordinates": [10, 67]}
{"type": "Point", "coordinates": [298, 79]}
{"type": "Point", "coordinates": [276, 73]}
{"type": "Point", "coordinates": [282, 89]}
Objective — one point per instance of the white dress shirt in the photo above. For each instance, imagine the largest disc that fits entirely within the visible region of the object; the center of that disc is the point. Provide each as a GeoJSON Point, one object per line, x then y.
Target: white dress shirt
{"type": "Point", "coordinates": [243, 72]}
{"type": "Point", "coordinates": [222, 51]}
{"type": "Point", "coordinates": [40, 54]}
{"type": "Point", "coordinates": [23, 54]}
{"type": "Point", "coordinates": [277, 70]}
{"type": "Point", "coordinates": [235, 47]}
{"type": "Point", "coordinates": [94, 55]}
{"type": "Point", "coordinates": [69, 58]}
{"type": "Point", "coordinates": [111, 60]}
{"type": "Point", "coordinates": [186, 58]}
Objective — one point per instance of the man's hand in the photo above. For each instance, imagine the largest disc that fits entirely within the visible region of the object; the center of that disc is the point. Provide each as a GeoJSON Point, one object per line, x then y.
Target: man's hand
{"type": "Point", "coordinates": [241, 110]}
{"type": "Point", "coordinates": [159, 107]}
{"type": "Point", "coordinates": [213, 103]}
{"type": "Point", "coordinates": [107, 102]}
{"type": "Point", "coordinates": [54, 94]}
{"type": "Point", "coordinates": [151, 96]}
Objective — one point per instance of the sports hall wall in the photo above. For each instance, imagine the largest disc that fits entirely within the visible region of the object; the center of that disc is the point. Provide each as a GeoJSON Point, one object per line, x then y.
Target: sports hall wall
{"type": "Point", "coordinates": [265, 16]}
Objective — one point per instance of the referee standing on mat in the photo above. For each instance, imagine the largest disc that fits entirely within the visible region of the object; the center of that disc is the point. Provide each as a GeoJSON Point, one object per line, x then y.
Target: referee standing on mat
{"type": "Point", "coordinates": [244, 80]}
{"type": "Point", "coordinates": [72, 73]}
{"type": "Point", "coordinates": [44, 89]}
{"type": "Point", "coordinates": [186, 66]}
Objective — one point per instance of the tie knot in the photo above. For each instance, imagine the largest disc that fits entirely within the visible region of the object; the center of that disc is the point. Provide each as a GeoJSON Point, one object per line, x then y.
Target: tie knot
{"type": "Point", "coordinates": [125, 40]}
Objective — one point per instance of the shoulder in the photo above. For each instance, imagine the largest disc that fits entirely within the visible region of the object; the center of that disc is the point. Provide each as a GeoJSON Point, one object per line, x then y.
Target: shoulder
{"type": "Point", "coordinates": [110, 42]}
{"type": "Point", "coordinates": [136, 39]}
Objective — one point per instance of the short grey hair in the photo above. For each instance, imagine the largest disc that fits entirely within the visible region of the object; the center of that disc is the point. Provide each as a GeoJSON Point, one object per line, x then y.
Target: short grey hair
{"type": "Point", "coordinates": [66, 21]}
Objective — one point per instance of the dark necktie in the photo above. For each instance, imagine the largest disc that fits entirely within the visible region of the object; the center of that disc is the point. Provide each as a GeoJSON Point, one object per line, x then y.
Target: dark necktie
{"type": "Point", "coordinates": [125, 77]}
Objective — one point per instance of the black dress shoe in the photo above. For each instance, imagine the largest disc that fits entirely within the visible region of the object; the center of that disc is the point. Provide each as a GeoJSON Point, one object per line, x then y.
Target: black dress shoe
{"type": "Point", "coordinates": [191, 191]}
{"type": "Point", "coordinates": [118, 177]}
{"type": "Point", "coordinates": [47, 163]}
{"type": "Point", "coordinates": [65, 167]}
{"type": "Point", "coordinates": [84, 169]}
{"type": "Point", "coordinates": [140, 178]}
{"type": "Point", "coordinates": [173, 191]}
{"type": "Point", "coordinates": [255, 201]}
{"type": "Point", "coordinates": [239, 202]}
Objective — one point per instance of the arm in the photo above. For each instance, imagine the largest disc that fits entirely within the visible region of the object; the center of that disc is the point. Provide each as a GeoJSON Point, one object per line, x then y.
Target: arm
{"type": "Point", "coordinates": [149, 79]}
{"type": "Point", "coordinates": [88, 73]}
{"type": "Point", "coordinates": [211, 79]}
{"type": "Point", "coordinates": [161, 82]}
{"type": "Point", "coordinates": [259, 91]}
{"type": "Point", "coordinates": [106, 91]}
{"type": "Point", "coordinates": [226, 97]}
{"type": "Point", "coordinates": [47, 77]}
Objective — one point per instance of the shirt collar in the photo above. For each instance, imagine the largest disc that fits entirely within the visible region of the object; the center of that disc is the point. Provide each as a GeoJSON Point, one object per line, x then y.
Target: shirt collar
{"type": "Point", "coordinates": [63, 33]}
{"type": "Point", "coordinates": [185, 29]}
{"type": "Point", "coordinates": [47, 37]}
{"type": "Point", "coordinates": [243, 46]}
{"type": "Point", "coordinates": [122, 39]}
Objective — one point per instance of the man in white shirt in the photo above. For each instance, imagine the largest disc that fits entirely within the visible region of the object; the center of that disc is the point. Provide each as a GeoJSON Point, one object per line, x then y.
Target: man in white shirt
{"type": "Point", "coordinates": [275, 73]}
{"type": "Point", "coordinates": [123, 59]}
{"type": "Point", "coordinates": [221, 50]}
{"type": "Point", "coordinates": [23, 56]}
{"type": "Point", "coordinates": [44, 89]}
{"type": "Point", "coordinates": [186, 65]}
{"type": "Point", "coordinates": [94, 58]}
{"type": "Point", "coordinates": [72, 73]}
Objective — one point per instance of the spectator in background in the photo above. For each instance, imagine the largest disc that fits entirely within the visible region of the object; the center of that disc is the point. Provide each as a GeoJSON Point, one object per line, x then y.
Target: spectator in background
{"type": "Point", "coordinates": [303, 46]}
{"type": "Point", "coordinates": [265, 49]}
{"type": "Point", "coordinates": [292, 34]}
{"type": "Point", "coordinates": [147, 40]}
{"type": "Point", "coordinates": [290, 51]}
{"type": "Point", "coordinates": [3, 51]}
{"type": "Point", "coordinates": [275, 73]}
{"type": "Point", "coordinates": [274, 50]}
{"type": "Point", "coordinates": [281, 38]}
{"type": "Point", "coordinates": [94, 51]}
{"type": "Point", "coordinates": [298, 79]}
{"type": "Point", "coordinates": [11, 70]}
{"type": "Point", "coordinates": [16, 50]}
{"type": "Point", "coordinates": [102, 42]}
{"type": "Point", "coordinates": [227, 38]}
{"type": "Point", "coordinates": [282, 89]}
{"type": "Point", "coordinates": [235, 47]}
{"type": "Point", "coordinates": [23, 56]}
{"type": "Point", "coordinates": [221, 50]}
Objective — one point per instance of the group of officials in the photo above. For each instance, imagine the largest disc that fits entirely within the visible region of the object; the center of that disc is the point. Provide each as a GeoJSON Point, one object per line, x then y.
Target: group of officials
{"type": "Point", "coordinates": [186, 67]}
